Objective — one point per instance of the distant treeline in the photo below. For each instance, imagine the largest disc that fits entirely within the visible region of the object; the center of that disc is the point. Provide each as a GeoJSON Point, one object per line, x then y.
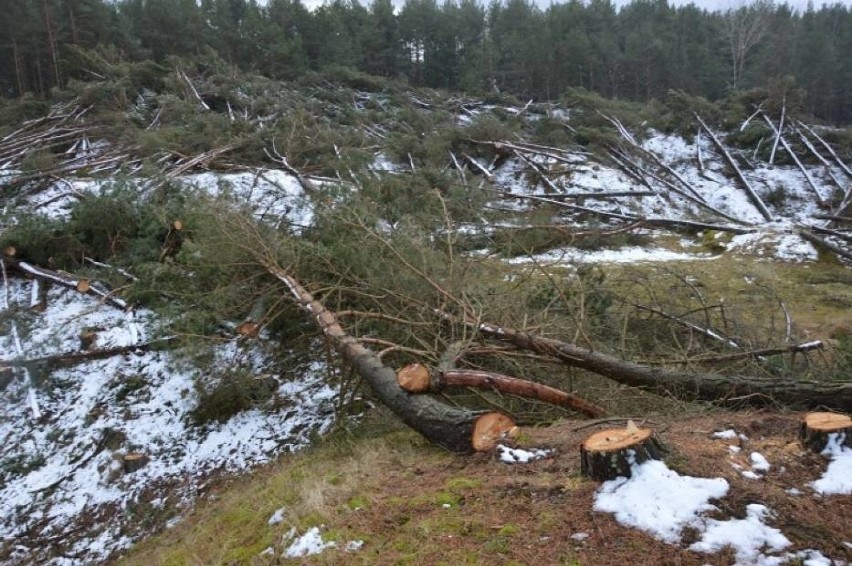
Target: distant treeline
{"type": "Point", "coordinates": [639, 52]}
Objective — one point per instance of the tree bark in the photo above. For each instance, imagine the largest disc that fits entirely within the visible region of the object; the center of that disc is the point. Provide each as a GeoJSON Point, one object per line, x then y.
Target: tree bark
{"type": "Point", "coordinates": [817, 427]}
{"type": "Point", "coordinates": [611, 453]}
{"type": "Point", "coordinates": [416, 378]}
{"type": "Point", "coordinates": [719, 389]}
{"type": "Point", "coordinates": [450, 427]}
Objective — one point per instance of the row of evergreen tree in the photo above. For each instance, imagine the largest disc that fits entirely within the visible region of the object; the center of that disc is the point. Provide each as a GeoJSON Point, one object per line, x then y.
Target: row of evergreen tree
{"type": "Point", "coordinates": [638, 52]}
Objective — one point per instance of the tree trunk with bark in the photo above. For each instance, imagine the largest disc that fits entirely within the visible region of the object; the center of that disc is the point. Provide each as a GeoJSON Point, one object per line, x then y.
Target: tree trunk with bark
{"type": "Point", "coordinates": [456, 429]}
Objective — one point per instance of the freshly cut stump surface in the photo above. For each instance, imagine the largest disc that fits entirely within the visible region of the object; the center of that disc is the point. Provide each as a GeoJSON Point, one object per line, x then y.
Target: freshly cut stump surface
{"type": "Point", "coordinates": [817, 427]}
{"type": "Point", "coordinates": [608, 454]}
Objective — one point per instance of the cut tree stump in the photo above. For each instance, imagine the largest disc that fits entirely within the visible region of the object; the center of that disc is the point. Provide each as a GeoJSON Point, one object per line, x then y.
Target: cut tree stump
{"type": "Point", "coordinates": [490, 428]}
{"type": "Point", "coordinates": [134, 461]}
{"type": "Point", "coordinates": [83, 286]}
{"type": "Point", "coordinates": [608, 454]}
{"type": "Point", "coordinates": [817, 427]}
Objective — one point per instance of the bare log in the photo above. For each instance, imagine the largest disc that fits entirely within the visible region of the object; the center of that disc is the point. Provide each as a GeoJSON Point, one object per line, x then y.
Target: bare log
{"type": "Point", "coordinates": [669, 223]}
{"type": "Point", "coordinates": [816, 428]}
{"type": "Point", "coordinates": [828, 148]}
{"type": "Point", "coordinates": [796, 160]}
{"type": "Point", "coordinates": [756, 200]}
{"type": "Point", "coordinates": [67, 280]}
{"type": "Point", "coordinates": [416, 378]}
{"type": "Point", "coordinates": [611, 453]}
{"type": "Point", "coordinates": [65, 359]}
{"type": "Point", "coordinates": [822, 242]}
{"type": "Point", "coordinates": [777, 131]}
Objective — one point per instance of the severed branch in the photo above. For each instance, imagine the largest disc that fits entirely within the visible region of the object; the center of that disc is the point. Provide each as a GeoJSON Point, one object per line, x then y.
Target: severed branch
{"type": "Point", "coordinates": [791, 349]}
{"type": "Point", "coordinates": [416, 378]}
{"type": "Point", "coordinates": [66, 359]}
{"type": "Point", "coordinates": [67, 280]}
{"type": "Point", "coordinates": [822, 242]}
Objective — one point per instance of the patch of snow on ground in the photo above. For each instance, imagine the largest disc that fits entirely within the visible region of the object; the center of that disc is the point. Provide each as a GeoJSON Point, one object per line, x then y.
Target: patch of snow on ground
{"type": "Point", "coordinates": [519, 456]}
{"type": "Point", "coordinates": [276, 517]}
{"type": "Point", "coordinates": [759, 462]}
{"type": "Point", "coordinates": [308, 544]}
{"type": "Point", "coordinates": [837, 478]}
{"type": "Point", "coordinates": [725, 434]}
{"type": "Point", "coordinates": [61, 476]}
{"type": "Point", "coordinates": [633, 254]}
{"type": "Point", "coordinates": [658, 500]}
{"type": "Point", "coordinates": [662, 503]}
{"type": "Point", "coordinates": [748, 537]}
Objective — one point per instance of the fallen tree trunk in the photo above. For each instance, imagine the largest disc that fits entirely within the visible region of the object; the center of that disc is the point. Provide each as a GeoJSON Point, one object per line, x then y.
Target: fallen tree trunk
{"type": "Point", "coordinates": [456, 429]}
{"type": "Point", "coordinates": [66, 280]}
{"type": "Point", "coordinates": [752, 195]}
{"type": "Point", "coordinates": [416, 378]}
{"type": "Point", "coordinates": [719, 389]}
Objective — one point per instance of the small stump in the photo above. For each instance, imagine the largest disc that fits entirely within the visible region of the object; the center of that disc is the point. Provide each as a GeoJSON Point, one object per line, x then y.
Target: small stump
{"type": "Point", "coordinates": [134, 461]}
{"type": "Point", "coordinates": [83, 286]}
{"type": "Point", "coordinates": [816, 428]}
{"type": "Point", "coordinates": [606, 455]}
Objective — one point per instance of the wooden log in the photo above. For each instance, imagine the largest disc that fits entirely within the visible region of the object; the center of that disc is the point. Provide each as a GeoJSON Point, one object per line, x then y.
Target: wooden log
{"type": "Point", "coordinates": [817, 427]}
{"type": "Point", "coordinates": [490, 429]}
{"type": "Point", "coordinates": [609, 454]}
{"type": "Point", "coordinates": [9, 251]}
{"type": "Point", "coordinates": [414, 378]}
{"type": "Point", "coordinates": [729, 390]}
{"type": "Point", "coordinates": [519, 387]}
{"type": "Point", "coordinates": [134, 461]}
{"type": "Point", "coordinates": [83, 286]}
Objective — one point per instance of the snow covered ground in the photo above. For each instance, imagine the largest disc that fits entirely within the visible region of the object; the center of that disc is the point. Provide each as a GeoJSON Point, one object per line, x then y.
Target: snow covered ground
{"type": "Point", "coordinates": [65, 494]}
{"type": "Point", "coordinates": [663, 503]}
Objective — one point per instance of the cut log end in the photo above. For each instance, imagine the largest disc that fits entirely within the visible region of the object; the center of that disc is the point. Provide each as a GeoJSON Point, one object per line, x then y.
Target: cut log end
{"type": "Point", "coordinates": [249, 329]}
{"type": "Point", "coordinates": [134, 461]}
{"type": "Point", "coordinates": [83, 286]}
{"type": "Point", "coordinates": [817, 427]}
{"type": "Point", "coordinates": [177, 225]}
{"type": "Point", "coordinates": [491, 428]}
{"type": "Point", "coordinates": [609, 454]}
{"type": "Point", "coordinates": [9, 251]}
{"type": "Point", "coordinates": [414, 378]}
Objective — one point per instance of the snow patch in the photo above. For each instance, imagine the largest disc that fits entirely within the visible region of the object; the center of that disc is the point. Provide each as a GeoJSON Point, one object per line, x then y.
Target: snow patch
{"type": "Point", "coordinates": [748, 537]}
{"type": "Point", "coordinates": [837, 478]}
{"type": "Point", "coordinates": [519, 456]}
{"type": "Point", "coordinates": [308, 544]}
{"type": "Point", "coordinates": [658, 500]}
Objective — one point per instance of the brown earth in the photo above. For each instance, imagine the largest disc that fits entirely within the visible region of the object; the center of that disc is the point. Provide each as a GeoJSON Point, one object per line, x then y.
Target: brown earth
{"type": "Point", "coordinates": [414, 504]}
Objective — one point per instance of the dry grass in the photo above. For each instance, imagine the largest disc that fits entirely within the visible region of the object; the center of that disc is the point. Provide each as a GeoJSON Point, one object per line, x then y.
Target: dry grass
{"type": "Point", "coordinates": [414, 504]}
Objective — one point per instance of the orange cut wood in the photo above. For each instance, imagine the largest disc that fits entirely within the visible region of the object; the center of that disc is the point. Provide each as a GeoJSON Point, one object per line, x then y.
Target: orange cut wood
{"type": "Point", "coordinates": [490, 428]}
{"type": "Point", "coordinates": [817, 427]}
{"type": "Point", "coordinates": [612, 453]}
{"type": "Point", "coordinates": [83, 286]}
{"type": "Point", "coordinates": [414, 378]}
